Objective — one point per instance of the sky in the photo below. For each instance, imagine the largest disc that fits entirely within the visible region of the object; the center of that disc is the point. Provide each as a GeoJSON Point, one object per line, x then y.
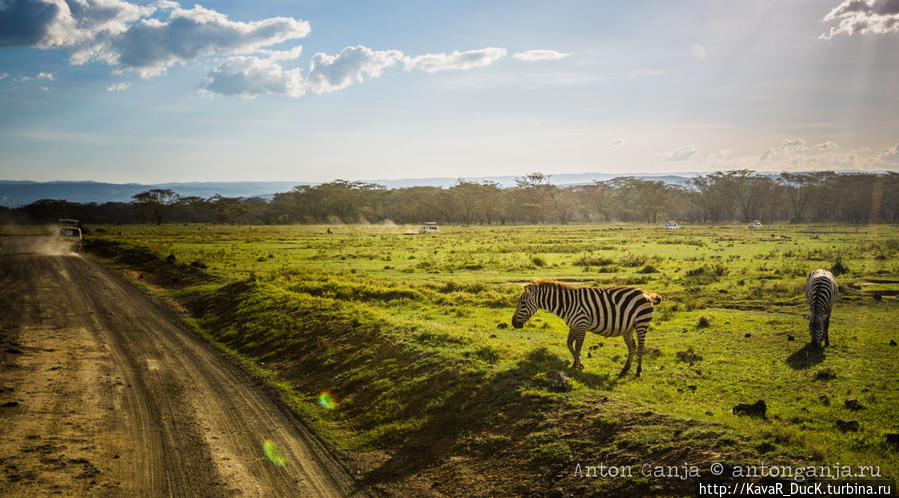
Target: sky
{"type": "Point", "coordinates": [314, 90]}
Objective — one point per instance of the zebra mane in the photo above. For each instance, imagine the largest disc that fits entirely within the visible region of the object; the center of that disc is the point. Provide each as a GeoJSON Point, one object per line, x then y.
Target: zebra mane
{"type": "Point", "coordinates": [539, 282]}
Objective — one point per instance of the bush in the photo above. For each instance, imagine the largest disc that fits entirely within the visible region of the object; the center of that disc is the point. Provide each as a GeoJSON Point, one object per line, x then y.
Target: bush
{"type": "Point", "coordinates": [838, 267]}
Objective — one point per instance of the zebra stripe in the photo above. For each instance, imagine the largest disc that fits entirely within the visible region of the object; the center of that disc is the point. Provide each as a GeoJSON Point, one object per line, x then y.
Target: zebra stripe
{"type": "Point", "coordinates": [609, 312]}
{"type": "Point", "coordinates": [821, 293]}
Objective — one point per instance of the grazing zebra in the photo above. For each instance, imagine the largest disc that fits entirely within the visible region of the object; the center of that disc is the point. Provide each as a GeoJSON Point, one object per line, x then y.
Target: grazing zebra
{"type": "Point", "coordinates": [610, 312]}
{"type": "Point", "coordinates": [821, 292]}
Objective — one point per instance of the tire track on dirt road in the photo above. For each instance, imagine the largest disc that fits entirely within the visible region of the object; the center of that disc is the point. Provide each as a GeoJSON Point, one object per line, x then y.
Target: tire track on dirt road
{"type": "Point", "coordinates": [104, 392]}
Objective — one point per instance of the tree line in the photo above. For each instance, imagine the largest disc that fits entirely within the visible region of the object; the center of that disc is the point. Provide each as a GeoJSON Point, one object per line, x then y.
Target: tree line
{"type": "Point", "coordinates": [719, 197]}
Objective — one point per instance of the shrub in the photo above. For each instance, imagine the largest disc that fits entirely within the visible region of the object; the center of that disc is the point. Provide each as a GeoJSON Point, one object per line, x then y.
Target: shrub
{"type": "Point", "coordinates": [838, 267]}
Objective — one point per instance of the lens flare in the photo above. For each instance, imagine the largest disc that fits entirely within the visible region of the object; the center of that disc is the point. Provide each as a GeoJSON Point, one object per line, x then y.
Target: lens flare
{"type": "Point", "coordinates": [273, 452]}
{"type": "Point", "coordinates": [327, 400]}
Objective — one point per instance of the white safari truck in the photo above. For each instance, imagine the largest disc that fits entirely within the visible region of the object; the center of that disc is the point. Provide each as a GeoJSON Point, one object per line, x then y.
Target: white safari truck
{"type": "Point", "coordinates": [429, 227]}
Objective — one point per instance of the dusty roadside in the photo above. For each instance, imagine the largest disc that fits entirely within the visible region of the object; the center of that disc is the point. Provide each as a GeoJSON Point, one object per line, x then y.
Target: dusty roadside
{"type": "Point", "coordinates": [103, 392]}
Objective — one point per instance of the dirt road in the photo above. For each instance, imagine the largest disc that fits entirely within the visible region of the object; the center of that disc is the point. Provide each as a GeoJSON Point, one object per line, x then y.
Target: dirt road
{"type": "Point", "coordinates": [104, 393]}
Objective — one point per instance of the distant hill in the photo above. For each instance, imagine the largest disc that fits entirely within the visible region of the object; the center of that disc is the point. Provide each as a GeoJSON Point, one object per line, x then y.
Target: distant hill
{"type": "Point", "coordinates": [20, 193]}
{"type": "Point", "coordinates": [13, 194]}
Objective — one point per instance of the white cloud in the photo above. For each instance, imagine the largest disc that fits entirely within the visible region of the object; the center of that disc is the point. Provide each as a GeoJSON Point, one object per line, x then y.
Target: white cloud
{"type": "Point", "coordinates": [118, 87]}
{"type": "Point", "coordinates": [151, 46]}
{"type": "Point", "coordinates": [46, 76]}
{"type": "Point", "coordinates": [539, 55]}
{"type": "Point", "coordinates": [889, 157]}
{"type": "Point", "coordinates": [863, 17]}
{"type": "Point", "coordinates": [698, 51]}
{"type": "Point", "coordinates": [682, 153]}
{"type": "Point", "coordinates": [792, 144]}
{"type": "Point", "coordinates": [124, 35]}
{"type": "Point", "coordinates": [45, 89]}
{"type": "Point", "coordinates": [64, 23]}
{"type": "Point", "coordinates": [249, 77]}
{"type": "Point", "coordinates": [3, 76]}
{"type": "Point", "coordinates": [616, 142]}
{"type": "Point", "coordinates": [328, 73]}
{"type": "Point", "coordinates": [283, 55]}
{"type": "Point", "coordinates": [432, 63]}
{"type": "Point", "coordinates": [769, 154]}
{"type": "Point", "coordinates": [828, 145]}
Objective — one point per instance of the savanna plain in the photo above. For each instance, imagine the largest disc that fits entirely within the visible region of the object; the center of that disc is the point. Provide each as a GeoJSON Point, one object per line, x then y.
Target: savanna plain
{"type": "Point", "coordinates": [398, 347]}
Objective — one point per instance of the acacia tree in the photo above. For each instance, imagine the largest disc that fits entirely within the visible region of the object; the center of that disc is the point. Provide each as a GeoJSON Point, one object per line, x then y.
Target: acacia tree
{"type": "Point", "coordinates": [156, 202]}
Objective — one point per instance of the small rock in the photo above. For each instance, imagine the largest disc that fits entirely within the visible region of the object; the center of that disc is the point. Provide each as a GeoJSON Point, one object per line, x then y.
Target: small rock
{"type": "Point", "coordinates": [709, 413]}
{"type": "Point", "coordinates": [757, 409]}
{"type": "Point", "coordinates": [688, 356]}
{"type": "Point", "coordinates": [825, 400]}
{"type": "Point", "coordinates": [589, 355]}
{"type": "Point", "coordinates": [892, 342]}
{"type": "Point", "coordinates": [853, 404]}
{"type": "Point", "coordinates": [692, 388]}
{"type": "Point", "coordinates": [847, 425]}
{"type": "Point", "coordinates": [557, 381]}
{"type": "Point", "coordinates": [10, 404]}
{"type": "Point", "coordinates": [748, 335]}
{"type": "Point", "coordinates": [790, 338]}
{"type": "Point", "coordinates": [493, 336]}
{"type": "Point", "coordinates": [502, 325]}
{"type": "Point", "coordinates": [825, 374]}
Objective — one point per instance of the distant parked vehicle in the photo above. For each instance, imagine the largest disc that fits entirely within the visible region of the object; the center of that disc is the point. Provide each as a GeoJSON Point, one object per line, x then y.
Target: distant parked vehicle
{"type": "Point", "coordinates": [755, 224]}
{"type": "Point", "coordinates": [429, 227]}
{"type": "Point", "coordinates": [69, 238]}
{"type": "Point", "coordinates": [672, 225]}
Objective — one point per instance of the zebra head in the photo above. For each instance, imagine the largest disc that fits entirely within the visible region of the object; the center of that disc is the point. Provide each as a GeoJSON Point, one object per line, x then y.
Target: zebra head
{"type": "Point", "coordinates": [527, 306]}
{"type": "Point", "coordinates": [816, 327]}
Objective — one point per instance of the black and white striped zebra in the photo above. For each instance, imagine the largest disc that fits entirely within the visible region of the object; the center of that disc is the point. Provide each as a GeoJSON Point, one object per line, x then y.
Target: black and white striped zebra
{"type": "Point", "coordinates": [821, 292]}
{"type": "Point", "coordinates": [610, 312]}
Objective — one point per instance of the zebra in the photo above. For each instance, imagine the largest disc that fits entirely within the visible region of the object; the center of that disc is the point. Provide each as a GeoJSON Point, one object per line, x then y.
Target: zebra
{"type": "Point", "coordinates": [610, 312]}
{"type": "Point", "coordinates": [821, 292]}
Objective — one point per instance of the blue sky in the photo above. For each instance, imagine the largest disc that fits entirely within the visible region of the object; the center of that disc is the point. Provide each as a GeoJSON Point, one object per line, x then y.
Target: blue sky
{"type": "Point", "coordinates": [131, 91]}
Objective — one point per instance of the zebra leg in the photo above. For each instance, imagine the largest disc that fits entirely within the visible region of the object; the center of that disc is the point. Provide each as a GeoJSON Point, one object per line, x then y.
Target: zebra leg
{"type": "Point", "coordinates": [641, 339]}
{"type": "Point", "coordinates": [579, 341]}
{"type": "Point", "coordinates": [826, 330]}
{"type": "Point", "coordinates": [629, 340]}
{"type": "Point", "coordinates": [574, 356]}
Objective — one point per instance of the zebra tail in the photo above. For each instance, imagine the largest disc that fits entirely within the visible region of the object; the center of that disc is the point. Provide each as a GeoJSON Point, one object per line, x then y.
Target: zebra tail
{"type": "Point", "coordinates": [653, 297]}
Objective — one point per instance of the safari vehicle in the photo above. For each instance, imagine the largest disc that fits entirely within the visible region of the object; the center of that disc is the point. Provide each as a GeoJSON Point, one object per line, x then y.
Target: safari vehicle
{"type": "Point", "coordinates": [672, 225]}
{"type": "Point", "coordinates": [69, 238]}
{"type": "Point", "coordinates": [755, 224]}
{"type": "Point", "coordinates": [71, 222]}
{"type": "Point", "coordinates": [429, 227]}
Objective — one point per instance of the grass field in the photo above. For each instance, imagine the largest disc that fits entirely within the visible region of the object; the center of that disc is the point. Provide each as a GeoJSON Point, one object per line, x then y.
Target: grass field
{"type": "Point", "coordinates": [410, 333]}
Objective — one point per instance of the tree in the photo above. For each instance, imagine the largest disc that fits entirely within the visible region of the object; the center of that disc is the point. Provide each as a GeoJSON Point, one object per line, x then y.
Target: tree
{"type": "Point", "coordinates": [544, 192]}
{"type": "Point", "coordinates": [156, 203]}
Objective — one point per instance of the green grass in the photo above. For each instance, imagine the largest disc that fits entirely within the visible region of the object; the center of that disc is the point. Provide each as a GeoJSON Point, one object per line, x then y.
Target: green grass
{"type": "Point", "coordinates": [411, 334]}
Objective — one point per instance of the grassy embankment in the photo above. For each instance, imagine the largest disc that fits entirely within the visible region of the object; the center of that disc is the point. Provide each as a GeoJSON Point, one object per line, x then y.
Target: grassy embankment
{"type": "Point", "coordinates": [408, 333]}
